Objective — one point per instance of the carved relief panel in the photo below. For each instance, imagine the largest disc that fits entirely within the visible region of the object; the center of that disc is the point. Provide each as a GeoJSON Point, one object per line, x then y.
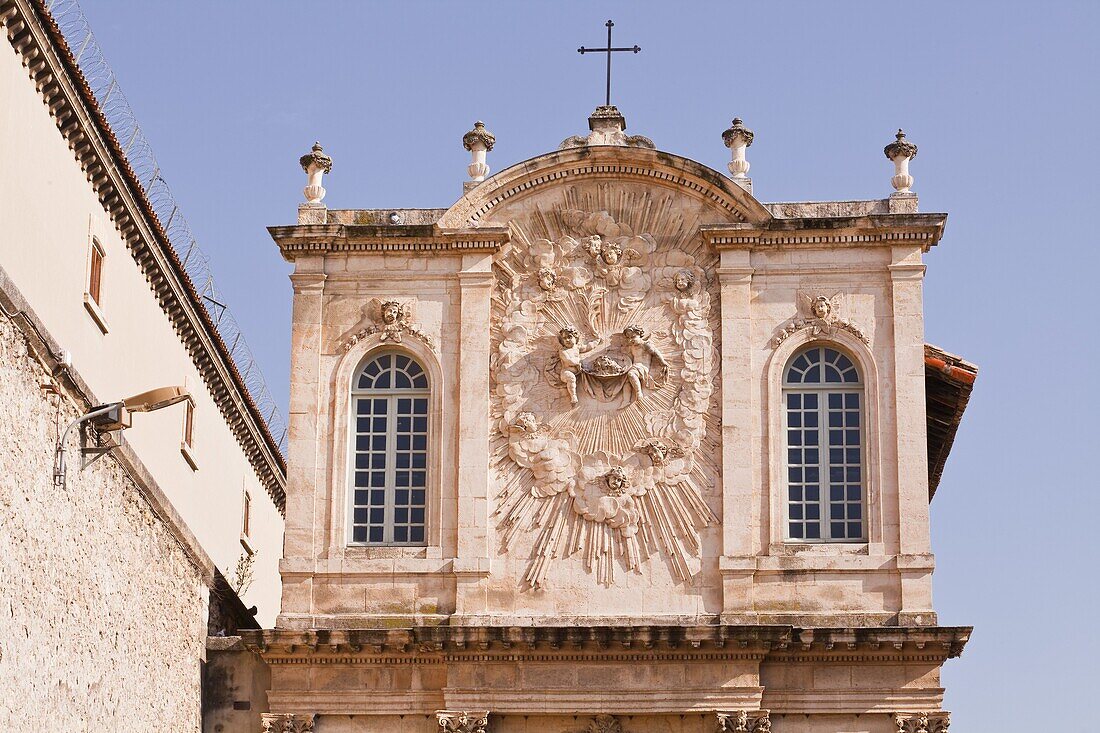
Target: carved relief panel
{"type": "Point", "coordinates": [604, 377]}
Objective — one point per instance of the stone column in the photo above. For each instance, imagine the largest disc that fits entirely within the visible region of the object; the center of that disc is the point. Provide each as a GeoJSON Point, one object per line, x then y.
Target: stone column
{"type": "Point", "coordinates": [915, 561]}
{"type": "Point", "coordinates": [304, 502]}
{"type": "Point", "coordinates": [462, 721]}
{"type": "Point", "coordinates": [738, 563]}
{"type": "Point", "coordinates": [472, 450]}
{"type": "Point", "coordinates": [287, 722]}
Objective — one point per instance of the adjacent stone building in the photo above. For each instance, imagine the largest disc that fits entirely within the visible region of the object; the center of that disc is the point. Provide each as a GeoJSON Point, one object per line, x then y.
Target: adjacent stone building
{"type": "Point", "coordinates": [610, 445]}
{"type": "Point", "coordinates": [113, 574]}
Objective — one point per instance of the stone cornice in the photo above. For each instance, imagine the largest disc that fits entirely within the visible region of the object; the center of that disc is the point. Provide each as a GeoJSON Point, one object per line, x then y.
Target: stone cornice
{"type": "Point", "coordinates": [319, 239]}
{"type": "Point", "coordinates": [51, 65]}
{"type": "Point", "coordinates": [884, 230]}
{"type": "Point", "coordinates": [441, 644]}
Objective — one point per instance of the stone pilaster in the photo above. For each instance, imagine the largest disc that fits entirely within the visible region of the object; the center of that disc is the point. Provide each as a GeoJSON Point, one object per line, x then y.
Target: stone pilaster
{"type": "Point", "coordinates": [472, 561]}
{"type": "Point", "coordinates": [935, 722]}
{"type": "Point", "coordinates": [744, 721]}
{"type": "Point", "coordinates": [915, 560]}
{"type": "Point", "coordinates": [463, 721]}
{"type": "Point", "coordinates": [304, 504]}
{"type": "Point", "coordinates": [738, 544]}
{"type": "Point", "coordinates": [287, 722]}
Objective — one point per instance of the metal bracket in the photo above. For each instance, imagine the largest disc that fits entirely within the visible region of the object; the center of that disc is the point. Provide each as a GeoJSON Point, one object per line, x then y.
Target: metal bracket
{"type": "Point", "coordinates": [114, 440]}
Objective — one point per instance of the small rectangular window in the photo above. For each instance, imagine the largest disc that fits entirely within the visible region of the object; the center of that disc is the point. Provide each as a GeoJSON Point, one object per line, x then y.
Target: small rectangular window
{"type": "Point", "coordinates": [187, 442]}
{"type": "Point", "coordinates": [247, 517]}
{"type": "Point", "coordinates": [95, 272]}
{"type": "Point", "coordinates": [189, 424]}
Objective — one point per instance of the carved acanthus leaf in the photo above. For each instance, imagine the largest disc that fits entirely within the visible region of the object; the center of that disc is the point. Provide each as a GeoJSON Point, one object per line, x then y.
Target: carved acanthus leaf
{"type": "Point", "coordinates": [933, 722]}
{"type": "Point", "coordinates": [287, 722]}
{"type": "Point", "coordinates": [461, 721]}
{"type": "Point", "coordinates": [744, 721]}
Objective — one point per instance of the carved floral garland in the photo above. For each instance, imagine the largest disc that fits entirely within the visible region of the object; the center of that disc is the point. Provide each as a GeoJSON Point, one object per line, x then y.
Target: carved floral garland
{"type": "Point", "coordinates": [603, 375]}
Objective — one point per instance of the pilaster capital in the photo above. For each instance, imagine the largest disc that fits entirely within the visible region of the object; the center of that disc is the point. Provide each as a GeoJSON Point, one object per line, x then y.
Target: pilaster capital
{"type": "Point", "coordinates": [934, 722]}
{"type": "Point", "coordinates": [287, 722]}
{"type": "Point", "coordinates": [734, 275]}
{"type": "Point", "coordinates": [463, 721]}
{"type": "Point", "coordinates": [743, 721]}
{"type": "Point", "coordinates": [308, 281]}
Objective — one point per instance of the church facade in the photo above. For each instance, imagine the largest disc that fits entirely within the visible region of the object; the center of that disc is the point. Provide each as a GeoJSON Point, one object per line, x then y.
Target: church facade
{"type": "Point", "coordinates": [610, 445]}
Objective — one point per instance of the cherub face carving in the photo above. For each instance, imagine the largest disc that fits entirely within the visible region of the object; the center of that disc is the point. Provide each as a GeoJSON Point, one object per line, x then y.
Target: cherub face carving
{"type": "Point", "coordinates": [683, 281]}
{"type": "Point", "coordinates": [634, 334]}
{"type": "Point", "coordinates": [611, 253]}
{"type": "Point", "coordinates": [391, 312]}
{"type": "Point", "coordinates": [568, 337]}
{"type": "Point", "coordinates": [658, 452]}
{"type": "Point", "coordinates": [616, 481]}
{"type": "Point", "coordinates": [547, 279]}
{"type": "Point", "coordinates": [526, 422]}
{"type": "Point", "coordinates": [593, 245]}
{"type": "Point", "coordinates": [821, 307]}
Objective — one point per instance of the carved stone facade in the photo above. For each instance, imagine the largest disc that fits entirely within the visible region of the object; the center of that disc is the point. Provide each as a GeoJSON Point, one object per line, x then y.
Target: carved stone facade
{"type": "Point", "coordinates": [606, 330]}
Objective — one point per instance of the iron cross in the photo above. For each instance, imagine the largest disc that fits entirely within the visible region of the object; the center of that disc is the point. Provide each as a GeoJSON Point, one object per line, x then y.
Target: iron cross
{"type": "Point", "coordinates": [609, 49]}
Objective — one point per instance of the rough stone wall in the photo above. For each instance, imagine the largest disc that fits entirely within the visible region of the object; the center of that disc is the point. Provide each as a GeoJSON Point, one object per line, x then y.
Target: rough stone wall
{"type": "Point", "coordinates": [102, 617]}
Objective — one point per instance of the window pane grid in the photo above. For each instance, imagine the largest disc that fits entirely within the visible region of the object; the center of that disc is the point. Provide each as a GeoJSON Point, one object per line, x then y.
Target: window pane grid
{"type": "Point", "coordinates": [390, 433]}
{"type": "Point", "coordinates": [824, 448]}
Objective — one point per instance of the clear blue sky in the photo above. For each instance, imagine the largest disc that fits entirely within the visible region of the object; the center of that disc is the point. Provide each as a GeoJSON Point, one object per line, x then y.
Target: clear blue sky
{"type": "Point", "coordinates": [1001, 97]}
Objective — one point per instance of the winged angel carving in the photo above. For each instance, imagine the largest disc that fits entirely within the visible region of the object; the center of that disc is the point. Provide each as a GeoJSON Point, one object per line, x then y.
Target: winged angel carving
{"type": "Point", "coordinates": [390, 319]}
{"type": "Point", "coordinates": [603, 377]}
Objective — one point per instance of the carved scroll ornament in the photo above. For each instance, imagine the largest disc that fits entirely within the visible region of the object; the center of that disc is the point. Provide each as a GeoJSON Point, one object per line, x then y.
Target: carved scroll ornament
{"type": "Point", "coordinates": [389, 319]}
{"type": "Point", "coordinates": [603, 376]}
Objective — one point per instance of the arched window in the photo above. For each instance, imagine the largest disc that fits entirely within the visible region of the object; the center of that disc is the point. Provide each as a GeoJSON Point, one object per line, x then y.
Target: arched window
{"type": "Point", "coordinates": [389, 451]}
{"type": "Point", "coordinates": [823, 401]}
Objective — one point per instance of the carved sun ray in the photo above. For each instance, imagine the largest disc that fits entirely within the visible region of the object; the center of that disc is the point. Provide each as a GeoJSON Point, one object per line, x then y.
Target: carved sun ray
{"type": "Point", "coordinates": [603, 376]}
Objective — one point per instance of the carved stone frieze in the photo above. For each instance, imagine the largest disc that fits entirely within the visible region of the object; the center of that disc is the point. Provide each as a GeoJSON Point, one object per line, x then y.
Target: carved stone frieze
{"type": "Point", "coordinates": [389, 319]}
{"type": "Point", "coordinates": [603, 372]}
{"type": "Point", "coordinates": [462, 721]}
{"type": "Point", "coordinates": [287, 722]}
{"type": "Point", "coordinates": [744, 721]}
{"type": "Point", "coordinates": [935, 722]}
{"type": "Point", "coordinates": [821, 314]}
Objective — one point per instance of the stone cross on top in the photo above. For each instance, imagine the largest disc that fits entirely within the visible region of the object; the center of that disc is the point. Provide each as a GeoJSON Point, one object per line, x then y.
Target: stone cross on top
{"type": "Point", "coordinates": [609, 49]}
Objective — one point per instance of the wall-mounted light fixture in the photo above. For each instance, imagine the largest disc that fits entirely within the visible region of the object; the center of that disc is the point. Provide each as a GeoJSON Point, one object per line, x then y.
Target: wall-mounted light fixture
{"type": "Point", "coordinates": [114, 417]}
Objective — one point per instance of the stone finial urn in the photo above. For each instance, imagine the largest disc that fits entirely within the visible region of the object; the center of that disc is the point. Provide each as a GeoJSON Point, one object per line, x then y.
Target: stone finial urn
{"type": "Point", "coordinates": [478, 141]}
{"type": "Point", "coordinates": [316, 164]}
{"type": "Point", "coordinates": [901, 151]}
{"type": "Point", "coordinates": [738, 138]}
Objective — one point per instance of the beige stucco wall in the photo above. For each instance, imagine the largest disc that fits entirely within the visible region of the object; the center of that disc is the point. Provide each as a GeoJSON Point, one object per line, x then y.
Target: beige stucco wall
{"type": "Point", "coordinates": [49, 214]}
{"type": "Point", "coordinates": [102, 613]}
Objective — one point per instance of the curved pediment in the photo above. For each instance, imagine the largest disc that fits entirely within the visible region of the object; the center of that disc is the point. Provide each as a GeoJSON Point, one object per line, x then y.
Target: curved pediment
{"type": "Point", "coordinates": [606, 163]}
